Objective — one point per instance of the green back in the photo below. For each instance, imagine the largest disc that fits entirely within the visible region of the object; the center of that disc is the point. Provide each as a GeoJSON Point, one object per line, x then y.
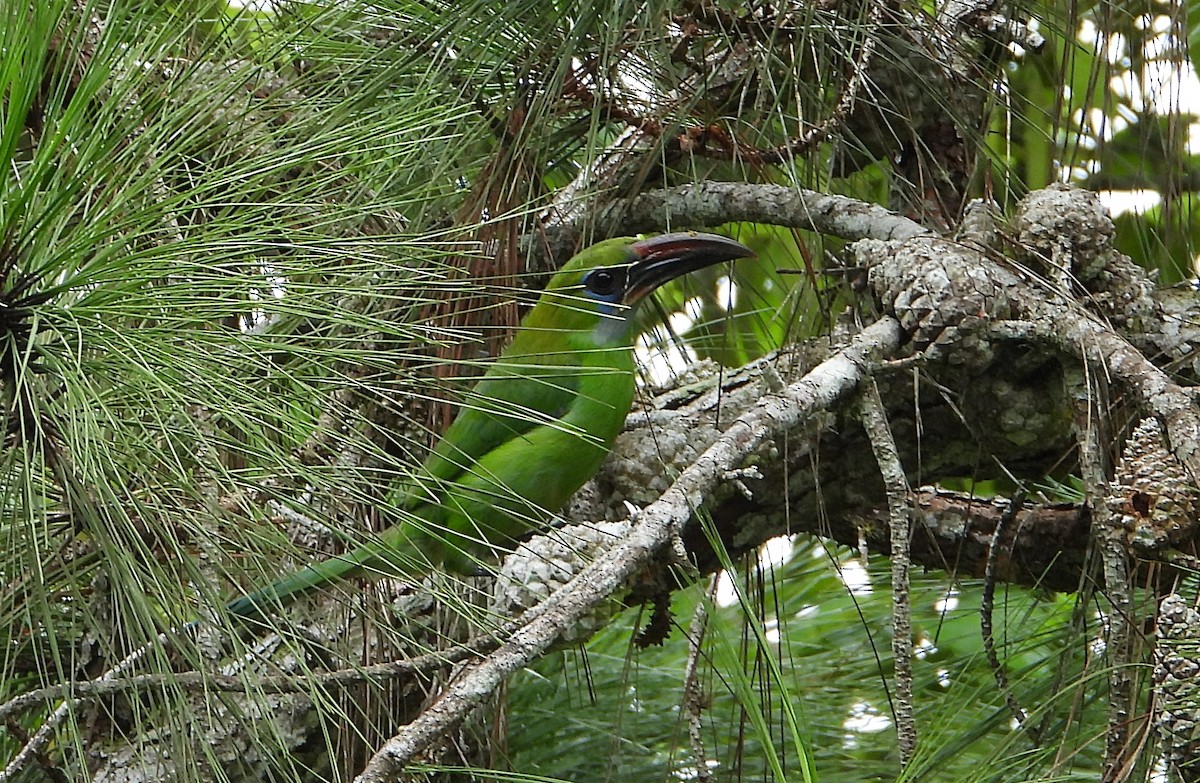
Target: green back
{"type": "Point", "coordinates": [536, 426]}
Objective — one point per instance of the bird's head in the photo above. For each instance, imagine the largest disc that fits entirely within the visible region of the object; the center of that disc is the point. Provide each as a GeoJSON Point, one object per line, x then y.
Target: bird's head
{"type": "Point", "coordinates": [598, 288]}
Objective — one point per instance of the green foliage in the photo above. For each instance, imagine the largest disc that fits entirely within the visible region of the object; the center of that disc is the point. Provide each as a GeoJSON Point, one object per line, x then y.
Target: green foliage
{"type": "Point", "coordinates": [1075, 117]}
{"type": "Point", "coordinates": [204, 263]}
{"type": "Point", "coordinates": [616, 712]}
{"type": "Point", "coordinates": [220, 235]}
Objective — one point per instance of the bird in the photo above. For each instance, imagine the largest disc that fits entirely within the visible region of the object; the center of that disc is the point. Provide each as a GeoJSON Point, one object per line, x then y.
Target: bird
{"type": "Point", "coordinates": [536, 426]}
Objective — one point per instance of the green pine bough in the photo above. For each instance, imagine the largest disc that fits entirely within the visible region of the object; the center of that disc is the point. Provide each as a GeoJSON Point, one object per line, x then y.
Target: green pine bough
{"type": "Point", "coordinates": [537, 425]}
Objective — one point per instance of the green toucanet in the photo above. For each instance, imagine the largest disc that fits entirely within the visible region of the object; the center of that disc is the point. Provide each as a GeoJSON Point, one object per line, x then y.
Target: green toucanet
{"type": "Point", "coordinates": [534, 428]}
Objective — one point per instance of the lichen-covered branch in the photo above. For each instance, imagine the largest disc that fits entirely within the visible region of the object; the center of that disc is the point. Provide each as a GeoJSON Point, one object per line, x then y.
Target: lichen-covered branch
{"type": "Point", "coordinates": [714, 203]}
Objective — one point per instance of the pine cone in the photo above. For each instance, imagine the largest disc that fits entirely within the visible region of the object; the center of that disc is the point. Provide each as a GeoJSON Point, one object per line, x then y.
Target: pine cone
{"type": "Point", "coordinates": [1176, 670]}
{"type": "Point", "coordinates": [548, 561]}
{"type": "Point", "coordinates": [1152, 493]}
{"type": "Point", "coordinates": [938, 292]}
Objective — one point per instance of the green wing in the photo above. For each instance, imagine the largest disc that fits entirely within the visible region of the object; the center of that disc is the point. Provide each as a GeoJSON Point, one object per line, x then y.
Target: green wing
{"type": "Point", "coordinates": [512, 488]}
{"type": "Point", "coordinates": [517, 395]}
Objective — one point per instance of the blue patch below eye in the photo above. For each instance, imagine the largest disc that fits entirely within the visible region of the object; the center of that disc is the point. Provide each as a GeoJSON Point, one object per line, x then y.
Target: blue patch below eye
{"type": "Point", "coordinates": [608, 302]}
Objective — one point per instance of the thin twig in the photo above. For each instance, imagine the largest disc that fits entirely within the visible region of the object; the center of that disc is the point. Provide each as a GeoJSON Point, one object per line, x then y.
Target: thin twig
{"type": "Point", "coordinates": [986, 608]}
{"type": "Point", "coordinates": [1088, 401]}
{"type": "Point", "coordinates": [874, 421]}
{"type": "Point", "coordinates": [693, 697]}
{"type": "Point", "coordinates": [37, 743]}
{"type": "Point", "coordinates": [222, 683]}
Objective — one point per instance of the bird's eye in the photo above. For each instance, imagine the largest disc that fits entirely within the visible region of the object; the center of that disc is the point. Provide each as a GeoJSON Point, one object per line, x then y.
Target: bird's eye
{"type": "Point", "coordinates": [602, 282]}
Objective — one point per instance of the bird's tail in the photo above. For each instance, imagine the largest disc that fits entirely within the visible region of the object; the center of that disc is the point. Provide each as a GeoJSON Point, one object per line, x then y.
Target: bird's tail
{"type": "Point", "coordinates": [399, 551]}
{"type": "Point", "coordinates": [260, 603]}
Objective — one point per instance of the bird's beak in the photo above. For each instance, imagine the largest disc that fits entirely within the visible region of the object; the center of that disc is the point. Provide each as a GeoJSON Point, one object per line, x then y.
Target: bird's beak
{"type": "Point", "coordinates": [660, 259]}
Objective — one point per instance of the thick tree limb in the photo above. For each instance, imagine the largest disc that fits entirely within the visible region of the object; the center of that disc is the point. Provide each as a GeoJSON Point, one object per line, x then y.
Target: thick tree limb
{"type": "Point", "coordinates": [714, 203]}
